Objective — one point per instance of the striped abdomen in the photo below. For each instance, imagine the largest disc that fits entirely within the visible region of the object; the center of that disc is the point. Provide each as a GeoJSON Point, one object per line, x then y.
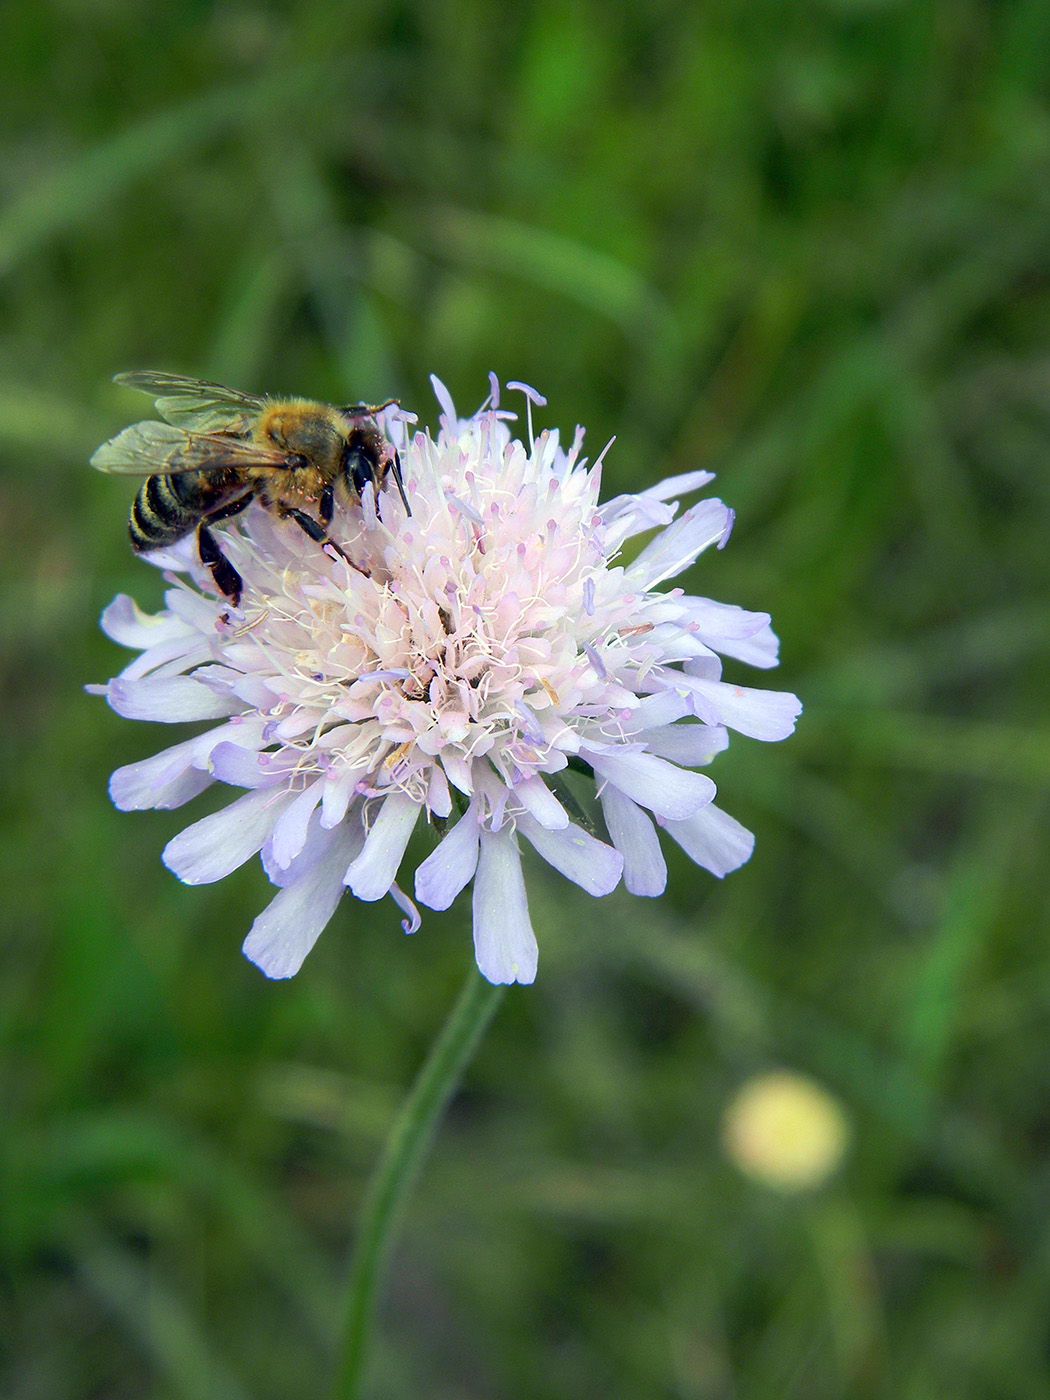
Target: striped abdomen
{"type": "Point", "coordinates": [168, 507]}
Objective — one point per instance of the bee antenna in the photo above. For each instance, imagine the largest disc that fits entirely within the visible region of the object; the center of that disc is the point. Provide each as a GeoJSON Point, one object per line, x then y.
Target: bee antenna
{"type": "Point", "coordinates": [360, 410]}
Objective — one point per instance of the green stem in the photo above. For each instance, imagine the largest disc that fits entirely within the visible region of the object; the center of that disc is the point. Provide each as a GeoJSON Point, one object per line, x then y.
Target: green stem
{"type": "Point", "coordinates": [399, 1166]}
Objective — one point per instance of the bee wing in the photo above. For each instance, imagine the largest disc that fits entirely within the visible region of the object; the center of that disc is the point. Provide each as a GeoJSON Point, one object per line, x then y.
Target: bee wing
{"type": "Point", "coordinates": [196, 403]}
{"type": "Point", "coordinates": [162, 449]}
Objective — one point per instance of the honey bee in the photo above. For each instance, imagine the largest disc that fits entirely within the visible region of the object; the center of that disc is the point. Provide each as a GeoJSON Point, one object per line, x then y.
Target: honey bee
{"type": "Point", "coordinates": [218, 450]}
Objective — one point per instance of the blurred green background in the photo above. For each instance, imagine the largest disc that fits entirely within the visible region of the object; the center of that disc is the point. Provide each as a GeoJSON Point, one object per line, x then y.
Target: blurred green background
{"type": "Point", "coordinates": [806, 245]}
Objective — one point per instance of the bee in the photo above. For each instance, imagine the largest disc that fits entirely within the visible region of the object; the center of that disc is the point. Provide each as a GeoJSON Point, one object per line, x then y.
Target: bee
{"type": "Point", "coordinates": [218, 450]}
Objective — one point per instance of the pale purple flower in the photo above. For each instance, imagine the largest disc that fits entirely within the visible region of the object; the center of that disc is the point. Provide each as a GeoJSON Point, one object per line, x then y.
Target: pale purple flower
{"type": "Point", "coordinates": [479, 647]}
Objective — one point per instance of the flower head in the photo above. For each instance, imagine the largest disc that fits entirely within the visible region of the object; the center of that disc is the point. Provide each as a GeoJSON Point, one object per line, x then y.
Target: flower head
{"type": "Point", "coordinates": [450, 662]}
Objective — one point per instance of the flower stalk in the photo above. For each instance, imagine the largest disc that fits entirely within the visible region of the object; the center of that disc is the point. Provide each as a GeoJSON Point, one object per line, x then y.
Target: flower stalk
{"type": "Point", "coordinates": [398, 1168]}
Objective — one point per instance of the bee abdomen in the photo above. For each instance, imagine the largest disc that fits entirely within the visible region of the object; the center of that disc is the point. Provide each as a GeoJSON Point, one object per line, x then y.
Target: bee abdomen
{"type": "Point", "coordinates": [158, 516]}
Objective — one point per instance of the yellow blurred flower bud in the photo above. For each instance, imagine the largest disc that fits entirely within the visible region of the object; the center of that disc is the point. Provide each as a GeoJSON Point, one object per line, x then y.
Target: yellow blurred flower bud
{"type": "Point", "coordinates": [785, 1131]}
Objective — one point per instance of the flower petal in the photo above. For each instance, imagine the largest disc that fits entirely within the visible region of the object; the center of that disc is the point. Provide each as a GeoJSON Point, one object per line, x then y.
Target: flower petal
{"type": "Point", "coordinates": [589, 863]}
{"type": "Point", "coordinates": [241, 766]}
{"type": "Point", "coordinates": [635, 837]}
{"type": "Point", "coordinates": [746, 636]}
{"type": "Point", "coordinates": [687, 743]}
{"type": "Point", "coordinates": [678, 485]}
{"type": "Point", "coordinates": [451, 864]}
{"type": "Point", "coordinates": [663, 787]}
{"type": "Point", "coordinates": [176, 774]}
{"type": "Point", "coordinates": [504, 943]}
{"type": "Point", "coordinates": [439, 799]}
{"type": "Point", "coordinates": [541, 803]}
{"type": "Point", "coordinates": [631, 515]}
{"type": "Point", "coordinates": [289, 830]}
{"type": "Point", "coordinates": [761, 714]}
{"type": "Point", "coordinates": [288, 927]}
{"type": "Point", "coordinates": [675, 548]}
{"type": "Point", "coordinates": [167, 779]}
{"type": "Point", "coordinates": [317, 841]}
{"type": "Point", "coordinates": [662, 707]}
{"type": "Point", "coordinates": [126, 623]}
{"type": "Point", "coordinates": [338, 790]}
{"type": "Point", "coordinates": [761, 651]}
{"type": "Point", "coordinates": [713, 839]}
{"type": "Point", "coordinates": [170, 700]}
{"type": "Point", "coordinates": [212, 847]}
{"type": "Point", "coordinates": [372, 873]}
{"type": "Point", "coordinates": [722, 621]}
{"type": "Point", "coordinates": [412, 923]}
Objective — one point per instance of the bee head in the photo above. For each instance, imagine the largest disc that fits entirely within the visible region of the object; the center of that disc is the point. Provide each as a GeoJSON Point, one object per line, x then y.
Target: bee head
{"type": "Point", "coordinates": [367, 458]}
{"type": "Point", "coordinates": [360, 464]}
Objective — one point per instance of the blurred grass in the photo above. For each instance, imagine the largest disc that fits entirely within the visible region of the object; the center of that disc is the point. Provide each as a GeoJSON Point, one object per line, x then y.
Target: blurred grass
{"type": "Point", "coordinates": [806, 246]}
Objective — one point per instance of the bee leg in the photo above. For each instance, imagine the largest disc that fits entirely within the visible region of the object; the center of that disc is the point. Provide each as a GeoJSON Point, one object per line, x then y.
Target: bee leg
{"type": "Point", "coordinates": [313, 528]}
{"type": "Point", "coordinates": [326, 505]}
{"type": "Point", "coordinates": [227, 580]}
{"type": "Point", "coordinates": [395, 472]}
{"type": "Point", "coordinates": [317, 531]}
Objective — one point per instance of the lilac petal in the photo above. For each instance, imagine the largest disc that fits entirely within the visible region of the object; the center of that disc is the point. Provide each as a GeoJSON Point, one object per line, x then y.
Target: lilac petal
{"type": "Point", "coordinates": [439, 799]}
{"type": "Point", "coordinates": [450, 865]}
{"type": "Point", "coordinates": [170, 700]}
{"type": "Point", "coordinates": [686, 743]}
{"type": "Point", "coordinates": [664, 788]}
{"type": "Point", "coordinates": [165, 780]}
{"type": "Point", "coordinates": [504, 943]}
{"type": "Point", "coordinates": [289, 830]}
{"type": "Point", "coordinates": [495, 793]}
{"type": "Point", "coordinates": [176, 774]}
{"type": "Point", "coordinates": [675, 548]}
{"type": "Point", "coordinates": [746, 636]}
{"type": "Point", "coordinates": [245, 767]}
{"type": "Point", "coordinates": [761, 714]}
{"type": "Point", "coordinates": [589, 863]}
{"type": "Point", "coordinates": [761, 651]}
{"type": "Point", "coordinates": [200, 614]}
{"type": "Point", "coordinates": [318, 838]}
{"type": "Point", "coordinates": [444, 398]}
{"type": "Point", "coordinates": [412, 923]}
{"type": "Point", "coordinates": [372, 873]}
{"type": "Point", "coordinates": [180, 557]}
{"type": "Point", "coordinates": [678, 485]}
{"type": "Point", "coordinates": [713, 839]}
{"type": "Point", "coordinates": [634, 836]}
{"type": "Point", "coordinates": [175, 658]}
{"type": "Point", "coordinates": [541, 803]}
{"type": "Point", "coordinates": [126, 623]}
{"type": "Point", "coordinates": [662, 707]}
{"type": "Point", "coordinates": [255, 692]}
{"type": "Point", "coordinates": [459, 771]}
{"type": "Point", "coordinates": [674, 643]}
{"type": "Point", "coordinates": [631, 515]}
{"type": "Point", "coordinates": [338, 790]}
{"type": "Point", "coordinates": [707, 668]}
{"type": "Point", "coordinates": [698, 705]}
{"type": "Point", "coordinates": [722, 620]}
{"type": "Point", "coordinates": [212, 847]}
{"type": "Point", "coordinates": [288, 927]}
